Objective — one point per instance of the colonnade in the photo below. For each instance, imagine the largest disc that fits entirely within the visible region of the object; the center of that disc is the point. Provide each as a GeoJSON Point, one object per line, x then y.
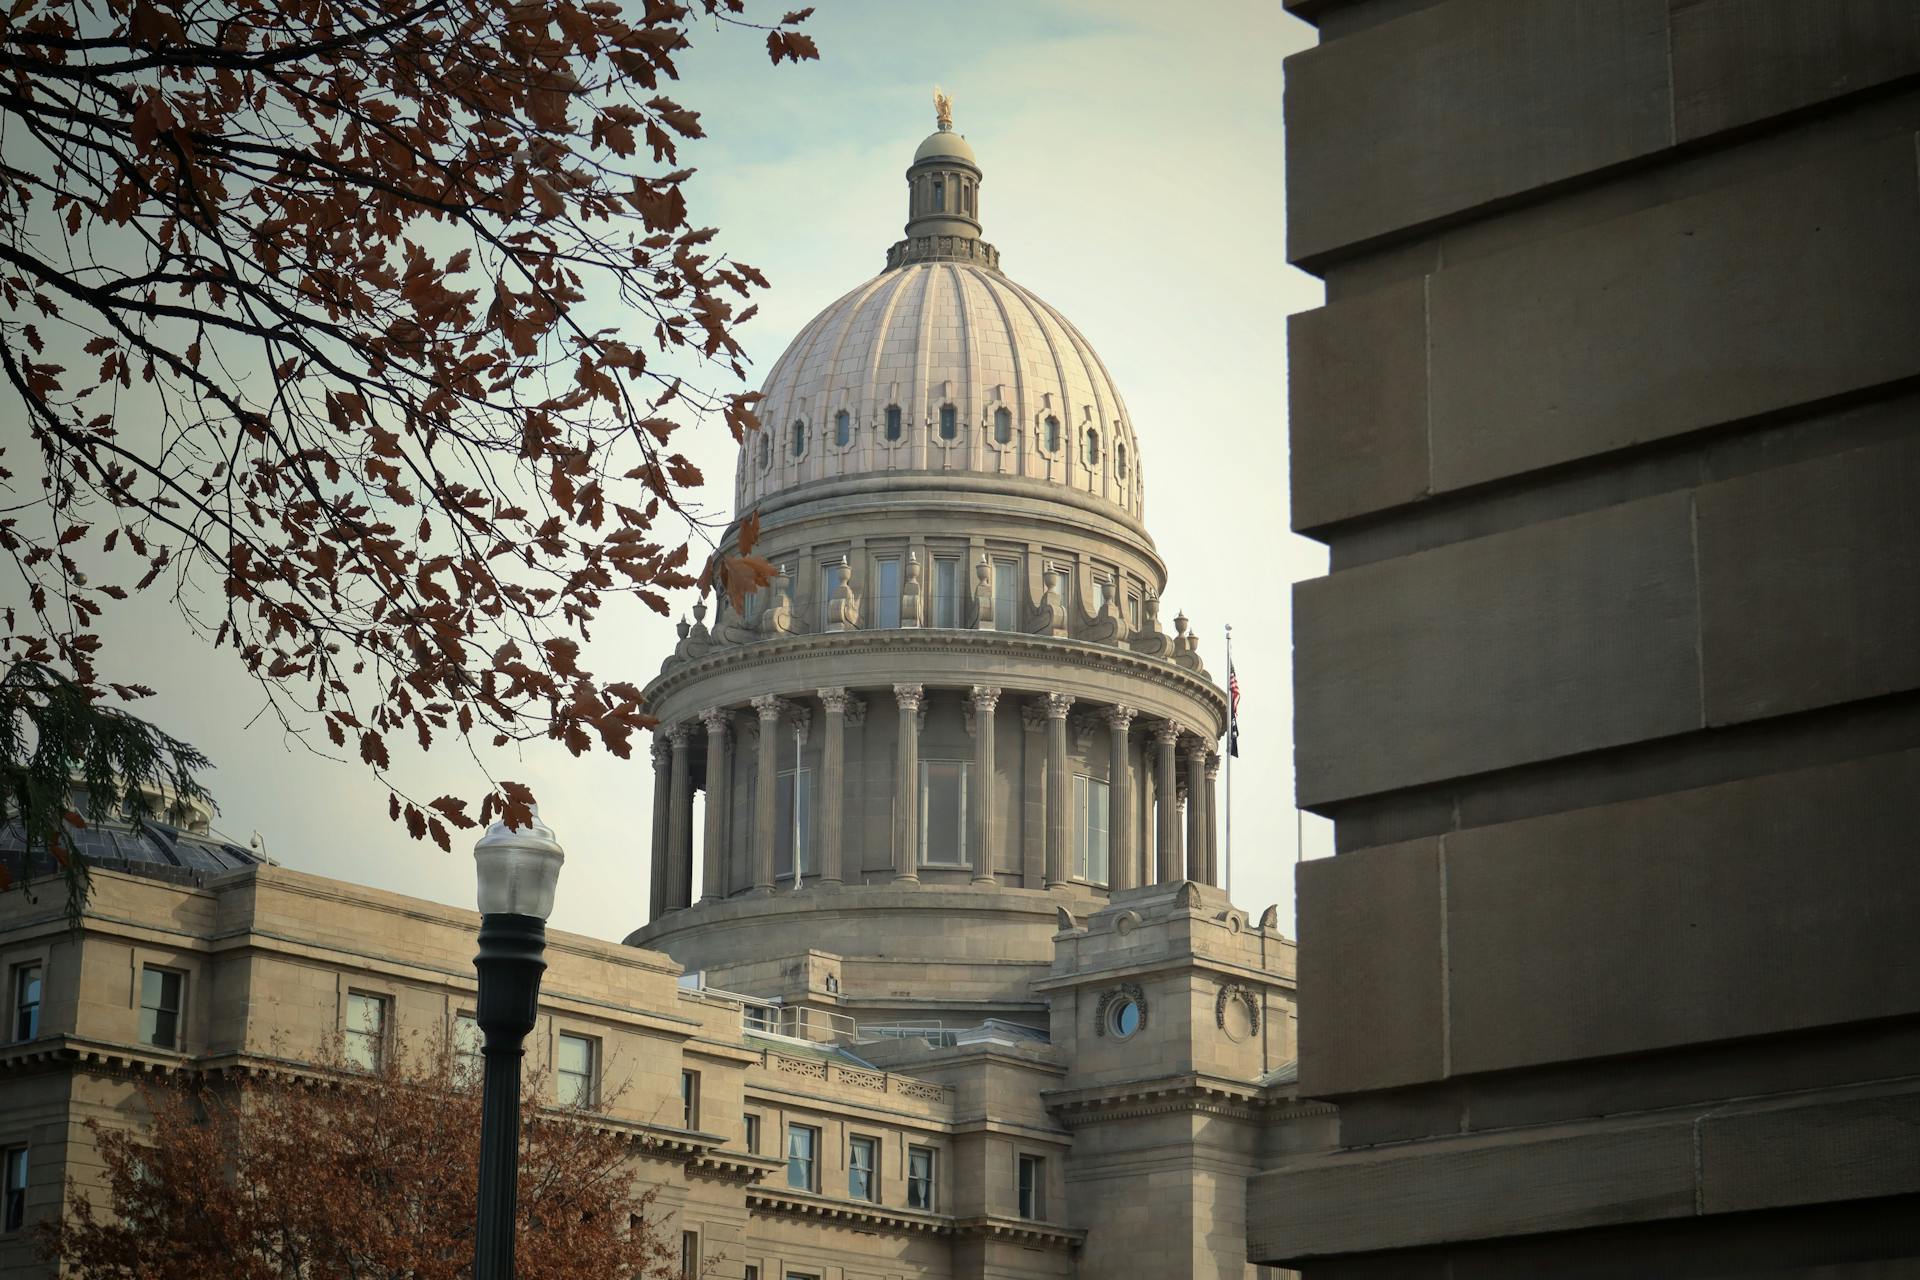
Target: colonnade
{"type": "Point", "coordinates": [1175, 854]}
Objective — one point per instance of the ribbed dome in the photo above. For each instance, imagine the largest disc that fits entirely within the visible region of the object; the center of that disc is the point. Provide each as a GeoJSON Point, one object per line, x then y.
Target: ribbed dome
{"type": "Point", "coordinates": [941, 367]}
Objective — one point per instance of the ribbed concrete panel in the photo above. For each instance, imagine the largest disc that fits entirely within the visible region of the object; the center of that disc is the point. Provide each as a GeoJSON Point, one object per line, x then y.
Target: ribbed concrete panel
{"type": "Point", "coordinates": [1739, 61]}
{"type": "Point", "coordinates": [1776, 904]}
{"type": "Point", "coordinates": [1866, 1144]}
{"type": "Point", "coordinates": [1534, 93]}
{"type": "Point", "coordinates": [1373, 1016]}
{"type": "Point", "coordinates": [1543, 642]}
{"type": "Point", "coordinates": [1741, 301]}
{"type": "Point", "coordinates": [1357, 374]}
{"type": "Point", "coordinates": [1810, 583]}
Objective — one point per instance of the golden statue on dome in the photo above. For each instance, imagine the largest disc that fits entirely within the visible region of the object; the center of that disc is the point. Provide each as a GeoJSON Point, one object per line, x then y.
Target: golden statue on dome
{"type": "Point", "coordinates": [942, 109]}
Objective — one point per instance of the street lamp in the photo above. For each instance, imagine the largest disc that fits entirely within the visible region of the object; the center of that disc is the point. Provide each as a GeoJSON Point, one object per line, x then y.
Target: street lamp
{"type": "Point", "coordinates": [518, 868]}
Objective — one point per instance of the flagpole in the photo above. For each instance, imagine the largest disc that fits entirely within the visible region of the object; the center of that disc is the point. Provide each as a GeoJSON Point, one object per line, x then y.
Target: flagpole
{"type": "Point", "coordinates": [797, 870]}
{"type": "Point", "coordinates": [1229, 762]}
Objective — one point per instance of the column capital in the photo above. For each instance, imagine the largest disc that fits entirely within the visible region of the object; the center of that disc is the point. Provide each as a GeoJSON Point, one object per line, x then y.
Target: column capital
{"type": "Point", "coordinates": [1033, 715]}
{"type": "Point", "coordinates": [768, 705]}
{"type": "Point", "coordinates": [1213, 765]}
{"type": "Point", "coordinates": [717, 719]}
{"type": "Point", "coordinates": [662, 752]}
{"type": "Point", "coordinates": [680, 734]}
{"type": "Point", "coordinates": [910, 697]}
{"type": "Point", "coordinates": [1166, 733]}
{"type": "Point", "coordinates": [985, 697]}
{"type": "Point", "coordinates": [1119, 718]}
{"type": "Point", "coordinates": [1058, 704]}
{"type": "Point", "coordinates": [1198, 743]}
{"type": "Point", "coordinates": [834, 700]}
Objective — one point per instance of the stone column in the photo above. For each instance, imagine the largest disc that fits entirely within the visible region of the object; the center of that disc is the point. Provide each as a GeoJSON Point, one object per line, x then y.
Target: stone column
{"type": "Point", "coordinates": [1197, 810]}
{"type": "Point", "coordinates": [1213, 819]}
{"type": "Point", "coordinates": [766, 791]}
{"type": "Point", "coordinates": [980, 819]}
{"type": "Point", "coordinates": [906, 786]}
{"type": "Point", "coordinates": [662, 808]}
{"type": "Point", "coordinates": [1167, 860]}
{"type": "Point", "coordinates": [712, 864]}
{"type": "Point", "coordinates": [1059, 797]}
{"type": "Point", "coordinates": [680, 821]}
{"type": "Point", "coordinates": [1119, 801]}
{"type": "Point", "coordinates": [833, 784]}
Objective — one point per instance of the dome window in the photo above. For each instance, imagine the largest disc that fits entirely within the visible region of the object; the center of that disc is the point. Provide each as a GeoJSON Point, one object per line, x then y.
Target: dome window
{"type": "Point", "coordinates": [1002, 426]}
{"type": "Point", "coordinates": [843, 429]}
{"type": "Point", "coordinates": [893, 422]}
{"type": "Point", "coordinates": [1050, 434]}
{"type": "Point", "coordinates": [766, 451]}
{"type": "Point", "coordinates": [1120, 460]}
{"type": "Point", "coordinates": [799, 437]}
{"type": "Point", "coordinates": [1092, 453]}
{"type": "Point", "coordinates": [939, 195]}
{"type": "Point", "coordinates": [949, 422]}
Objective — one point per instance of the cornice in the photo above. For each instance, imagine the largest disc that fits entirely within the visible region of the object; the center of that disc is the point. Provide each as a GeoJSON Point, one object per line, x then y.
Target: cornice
{"type": "Point", "coordinates": [732, 1166]}
{"type": "Point", "coordinates": [1022, 1231]}
{"type": "Point", "coordinates": [857, 1214]}
{"type": "Point", "coordinates": [1057, 650]}
{"type": "Point", "coordinates": [1182, 1094]}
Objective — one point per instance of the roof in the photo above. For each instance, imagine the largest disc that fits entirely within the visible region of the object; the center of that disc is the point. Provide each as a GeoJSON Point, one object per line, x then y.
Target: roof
{"type": "Point", "coordinates": [143, 847]}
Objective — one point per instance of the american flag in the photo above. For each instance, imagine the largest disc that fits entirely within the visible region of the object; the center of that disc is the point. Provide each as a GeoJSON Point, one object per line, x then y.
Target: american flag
{"type": "Point", "coordinates": [1233, 711]}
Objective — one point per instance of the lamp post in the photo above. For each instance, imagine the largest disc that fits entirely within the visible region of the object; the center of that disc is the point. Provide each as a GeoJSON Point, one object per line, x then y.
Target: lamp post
{"type": "Point", "coordinates": [518, 868]}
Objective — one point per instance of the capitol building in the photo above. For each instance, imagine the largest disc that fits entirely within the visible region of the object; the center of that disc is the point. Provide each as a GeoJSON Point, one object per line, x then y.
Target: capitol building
{"type": "Point", "coordinates": [936, 979]}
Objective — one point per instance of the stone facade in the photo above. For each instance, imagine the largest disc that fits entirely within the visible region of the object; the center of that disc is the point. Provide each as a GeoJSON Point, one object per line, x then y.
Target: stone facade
{"type": "Point", "coordinates": [1608, 425]}
{"type": "Point", "coordinates": [950, 888]}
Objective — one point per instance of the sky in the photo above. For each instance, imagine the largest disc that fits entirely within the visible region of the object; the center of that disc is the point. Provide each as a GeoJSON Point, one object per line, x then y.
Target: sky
{"type": "Point", "coordinates": [1133, 179]}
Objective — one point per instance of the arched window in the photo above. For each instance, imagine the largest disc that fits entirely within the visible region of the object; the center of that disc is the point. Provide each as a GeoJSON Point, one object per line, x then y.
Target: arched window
{"type": "Point", "coordinates": [1092, 451]}
{"type": "Point", "coordinates": [1050, 435]}
{"type": "Point", "coordinates": [893, 422]}
{"type": "Point", "coordinates": [949, 422]}
{"type": "Point", "coordinates": [766, 451]}
{"type": "Point", "coordinates": [1002, 426]}
{"type": "Point", "coordinates": [843, 428]}
{"type": "Point", "coordinates": [1120, 460]}
{"type": "Point", "coordinates": [799, 437]}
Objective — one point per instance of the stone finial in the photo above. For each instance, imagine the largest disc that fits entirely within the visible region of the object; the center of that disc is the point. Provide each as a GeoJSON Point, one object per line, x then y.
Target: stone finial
{"type": "Point", "coordinates": [843, 611]}
{"type": "Point", "coordinates": [910, 592]}
{"type": "Point", "coordinates": [778, 617]}
{"type": "Point", "coordinates": [681, 628]}
{"type": "Point", "coordinates": [1270, 918]}
{"type": "Point", "coordinates": [983, 602]}
{"type": "Point", "coordinates": [1053, 613]}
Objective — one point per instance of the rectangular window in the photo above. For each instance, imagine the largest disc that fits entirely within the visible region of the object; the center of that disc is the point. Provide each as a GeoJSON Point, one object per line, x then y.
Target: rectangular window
{"type": "Point", "coordinates": [886, 594]}
{"type": "Point", "coordinates": [366, 1030]}
{"type": "Point", "coordinates": [574, 1072]}
{"type": "Point", "coordinates": [831, 576]}
{"type": "Point", "coordinates": [793, 817]}
{"type": "Point", "coordinates": [469, 1063]}
{"type": "Point", "coordinates": [802, 1145]}
{"type": "Point", "coordinates": [26, 1001]}
{"type": "Point", "coordinates": [751, 1137]}
{"type": "Point", "coordinates": [689, 1255]}
{"type": "Point", "coordinates": [1007, 613]}
{"type": "Point", "coordinates": [1133, 611]}
{"type": "Point", "coordinates": [749, 1272]}
{"type": "Point", "coordinates": [863, 1156]}
{"type": "Point", "coordinates": [160, 1006]}
{"type": "Point", "coordinates": [1032, 1180]}
{"type": "Point", "coordinates": [689, 1099]}
{"type": "Point", "coordinates": [13, 1210]}
{"type": "Point", "coordinates": [920, 1178]}
{"type": "Point", "coordinates": [1090, 814]}
{"type": "Point", "coordinates": [943, 812]}
{"type": "Point", "coordinates": [946, 591]}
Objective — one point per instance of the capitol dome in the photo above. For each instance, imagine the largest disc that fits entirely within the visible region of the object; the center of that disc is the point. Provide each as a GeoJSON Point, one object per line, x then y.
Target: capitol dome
{"type": "Point", "coordinates": [942, 366]}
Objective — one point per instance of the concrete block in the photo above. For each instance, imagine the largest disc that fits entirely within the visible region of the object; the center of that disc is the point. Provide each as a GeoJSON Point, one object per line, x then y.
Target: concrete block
{"type": "Point", "coordinates": [1370, 1015]}
{"type": "Point", "coordinates": [1472, 1188]}
{"type": "Point", "coordinates": [1810, 583]}
{"type": "Point", "coordinates": [1852, 1146]}
{"type": "Point", "coordinates": [1769, 905]}
{"type": "Point", "coordinates": [1737, 302]}
{"type": "Point", "coordinates": [1532, 95]}
{"type": "Point", "coordinates": [1538, 643]}
{"type": "Point", "coordinates": [1740, 61]}
{"type": "Point", "coordinates": [1357, 404]}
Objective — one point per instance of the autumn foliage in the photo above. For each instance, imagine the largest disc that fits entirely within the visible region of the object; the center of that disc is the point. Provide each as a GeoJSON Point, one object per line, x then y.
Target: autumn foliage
{"type": "Point", "coordinates": [364, 328]}
{"type": "Point", "coordinates": [272, 1177]}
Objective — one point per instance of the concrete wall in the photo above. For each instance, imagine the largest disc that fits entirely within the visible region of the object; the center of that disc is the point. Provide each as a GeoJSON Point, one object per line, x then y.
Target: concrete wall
{"type": "Point", "coordinates": [1613, 689]}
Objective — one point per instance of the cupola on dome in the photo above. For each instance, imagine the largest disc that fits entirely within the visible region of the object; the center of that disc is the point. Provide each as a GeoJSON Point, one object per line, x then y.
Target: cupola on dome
{"type": "Point", "coordinates": [941, 364]}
